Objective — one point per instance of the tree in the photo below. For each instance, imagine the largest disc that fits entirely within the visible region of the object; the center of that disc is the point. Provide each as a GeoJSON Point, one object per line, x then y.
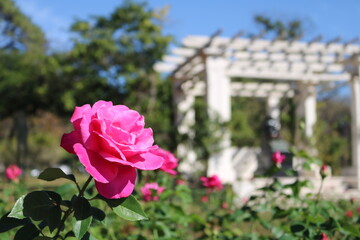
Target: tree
{"type": "Point", "coordinates": [121, 50]}
{"type": "Point", "coordinates": [112, 59]}
{"type": "Point", "coordinates": [22, 54]}
{"type": "Point", "coordinates": [17, 31]}
{"type": "Point", "coordinates": [283, 30]}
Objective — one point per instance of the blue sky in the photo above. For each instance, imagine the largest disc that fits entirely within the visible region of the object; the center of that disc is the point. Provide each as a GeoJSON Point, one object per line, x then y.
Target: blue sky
{"type": "Point", "coordinates": [330, 18]}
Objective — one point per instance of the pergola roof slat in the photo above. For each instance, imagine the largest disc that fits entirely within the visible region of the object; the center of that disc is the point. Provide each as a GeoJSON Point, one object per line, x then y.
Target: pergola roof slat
{"type": "Point", "coordinates": [262, 58]}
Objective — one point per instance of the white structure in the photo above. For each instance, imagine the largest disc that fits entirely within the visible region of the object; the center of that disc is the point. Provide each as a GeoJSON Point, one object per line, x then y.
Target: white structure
{"type": "Point", "coordinates": [204, 66]}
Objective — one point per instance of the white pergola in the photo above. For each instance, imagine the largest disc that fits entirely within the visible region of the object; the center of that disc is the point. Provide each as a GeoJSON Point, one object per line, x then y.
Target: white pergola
{"type": "Point", "coordinates": [205, 66]}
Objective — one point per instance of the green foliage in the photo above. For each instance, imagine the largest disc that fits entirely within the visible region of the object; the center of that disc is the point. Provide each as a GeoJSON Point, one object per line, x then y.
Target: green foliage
{"type": "Point", "coordinates": [247, 121]}
{"type": "Point", "coordinates": [112, 58]}
{"type": "Point", "coordinates": [51, 174]}
{"type": "Point", "coordinates": [45, 213]}
{"type": "Point", "coordinates": [334, 122]}
{"type": "Point", "coordinates": [118, 51]}
{"type": "Point", "coordinates": [17, 30]}
{"type": "Point", "coordinates": [208, 131]}
{"type": "Point", "coordinates": [284, 30]}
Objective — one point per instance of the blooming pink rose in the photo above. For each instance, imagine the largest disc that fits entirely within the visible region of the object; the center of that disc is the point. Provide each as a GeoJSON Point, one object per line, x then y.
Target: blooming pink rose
{"type": "Point", "coordinates": [212, 182]}
{"type": "Point", "coordinates": [278, 158]}
{"type": "Point", "coordinates": [13, 172]}
{"type": "Point", "coordinates": [111, 142]}
{"type": "Point", "coordinates": [170, 161]}
{"type": "Point", "coordinates": [324, 237]}
{"type": "Point", "coordinates": [151, 191]}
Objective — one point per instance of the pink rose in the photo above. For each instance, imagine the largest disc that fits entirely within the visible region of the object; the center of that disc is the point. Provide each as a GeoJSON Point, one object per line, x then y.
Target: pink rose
{"type": "Point", "coordinates": [170, 161]}
{"type": "Point", "coordinates": [324, 171]}
{"type": "Point", "coordinates": [349, 214]}
{"type": "Point", "coordinates": [151, 191]}
{"type": "Point", "coordinates": [180, 182]}
{"type": "Point", "coordinates": [225, 205]}
{"type": "Point", "coordinates": [111, 142]}
{"type": "Point", "coordinates": [13, 172]}
{"type": "Point", "coordinates": [324, 237]}
{"type": "Point", "coordinates": [278, 158]}
{"type": "Point", "coordinates": [204, 199]}
{"type": "Point", "coordinates": [212, 182]}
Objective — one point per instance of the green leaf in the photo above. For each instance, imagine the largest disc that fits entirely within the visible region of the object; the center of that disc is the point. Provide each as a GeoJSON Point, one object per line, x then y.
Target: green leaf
{"type": "Point", "coordinates": [17, 210]}
{"type": "Point", "coordinates": [7, 223]}
{"type": "Point", "coordinates": [87, 236]}
{"type": "Point", "coordinates": [350, 229]}
{"type": "Point", "coordinates": [164, 228]}
{"type": "Point", "coordinates": [297, 228]}
{"type": "Point", "coordinates": [28, 231]}
{"type": "Point", "coordinates": [69, 234]}
{"type": "Point", "coordinates": [42, 238]}
{"type": "Point", "coordinates": [54, 196]}
{"type": "Point", "coordinates": [277, 231]}
{"type": "Point", "coordinates": [81, 227]}
{"type": "Point", "coordinates": [82, 208]}
{"type": "Point", "coordinates": [97, 214]}
{"type": "Point", "coordinates": [66, 203]}
{"type": "Point", "coordinates": [37, 204]}
{"type": "Point", "coordinates": [53, 218]}
{"type": "Point", "coordinates": [130, 209]}
{"type": "Point", "coordinates": [315, 219]}
{"type": "Point", "coordinates": [51, 174]}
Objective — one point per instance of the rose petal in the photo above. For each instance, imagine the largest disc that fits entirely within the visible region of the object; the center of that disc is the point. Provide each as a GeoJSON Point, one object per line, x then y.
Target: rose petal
{"type": "Point", "coordinates": [79, 111]}
{"type": "Point", "coordinates": [101, 170]}
{"type": "Point", "coordinates": [100, 105]}
{"type": "Point", "coordinates": [119, 187]}
{"type": "Point", "coordinates": [120, 136]}
{"type": "Point", "coordinates": [145, 139]}
{"type": "Point", "coordinates": [68, 141]}
{"type": "Point", "coordinates": [106, 144]}
{"type": "Point", "coordinates": [146, 161]}
{"type": "Point", "coordinates": [127, 120]}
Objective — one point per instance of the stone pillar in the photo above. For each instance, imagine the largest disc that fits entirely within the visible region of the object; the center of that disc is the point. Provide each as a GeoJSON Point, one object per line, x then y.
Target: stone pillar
{"type": "Point", "coordinates": [218, 97]}
{"type": "Point", "coordinates": [306, 107]}
{"type": "Point", "coordinates": [355, 126]}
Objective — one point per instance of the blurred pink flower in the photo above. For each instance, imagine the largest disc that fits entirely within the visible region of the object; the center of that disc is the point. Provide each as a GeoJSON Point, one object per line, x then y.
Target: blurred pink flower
{"type": "Point", "coordinates": [225, 205]}
{"type": "Point", "coordinates": [170, 161]}
{"type": "Point", "coordinates": [204, 199]}
{"type": "Point", "coordinates": [180, 182]}
{"type": "Point", "coordinates": [13, 172]}
{"type": "Point", "coordinates": [112, 143]}
{"type": "Point", "coordinates": [324, 171]}
{"type": "Point", "coordinates": [324, 237]}
{"type": "Point", "coordinates": [349, 214]}
{"type": "Point", "coordinates": [151, 191]}
{"type": "Point", "coordinates": [278, 158]}
{"type": "Point", "coordinates": [212, 182]}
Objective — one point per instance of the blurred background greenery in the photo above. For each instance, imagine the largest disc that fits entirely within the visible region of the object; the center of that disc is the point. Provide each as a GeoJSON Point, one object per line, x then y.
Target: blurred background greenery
{"type": "Point", "coordinates": [112, 58]}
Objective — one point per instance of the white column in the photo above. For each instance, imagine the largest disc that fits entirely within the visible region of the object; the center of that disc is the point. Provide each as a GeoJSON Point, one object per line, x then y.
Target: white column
{"type": "Point", "coordinates": [306, 107]}
{"type": "Point", "coordinates": [184, 121]}
{"type": "Point", "coordinates": [218, 97]}
{"type": "Point", "coordinates": [355, 126]}
{"type": "Point", "coordinates": [310, 110]}
{"type": "Point", "coordinates": [273, 106]}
